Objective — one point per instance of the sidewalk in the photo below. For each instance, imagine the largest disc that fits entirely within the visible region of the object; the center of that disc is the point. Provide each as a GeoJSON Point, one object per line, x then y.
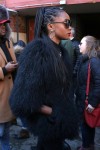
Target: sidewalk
{"type": "Point", "coordinates": [77, 142]}
{"type": "Point", "coordinates": [30, 143]}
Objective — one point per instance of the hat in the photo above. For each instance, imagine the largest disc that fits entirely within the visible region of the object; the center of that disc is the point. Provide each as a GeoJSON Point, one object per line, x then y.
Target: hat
{"type": "Point", "coordinates": [4, 15]}
{"type": "Point", "coordinates": [4, 21]}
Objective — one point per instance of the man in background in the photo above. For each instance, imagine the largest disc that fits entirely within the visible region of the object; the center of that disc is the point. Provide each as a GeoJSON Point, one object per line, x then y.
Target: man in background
{"type": "Point", "coordinates": [75, 44]}
{"type": "Point", "coordinates": [72, 47]}
{"type": "Point", "coordinates": [23, 133]}
{"type": "Point", "coordinates": [8, 66]}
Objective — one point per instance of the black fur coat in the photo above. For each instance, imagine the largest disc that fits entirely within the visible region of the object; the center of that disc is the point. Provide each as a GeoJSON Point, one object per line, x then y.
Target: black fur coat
{"type": "Point", "coordinates": [38, 83]}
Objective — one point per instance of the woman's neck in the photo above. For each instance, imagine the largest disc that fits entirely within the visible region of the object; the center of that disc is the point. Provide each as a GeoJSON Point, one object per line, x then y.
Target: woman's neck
{"type": "Point", "coordinates": [55, 40]}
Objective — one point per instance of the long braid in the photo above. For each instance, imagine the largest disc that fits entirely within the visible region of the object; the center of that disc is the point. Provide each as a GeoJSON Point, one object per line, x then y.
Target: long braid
{"type": "Point", "coordinates": [38, 23]}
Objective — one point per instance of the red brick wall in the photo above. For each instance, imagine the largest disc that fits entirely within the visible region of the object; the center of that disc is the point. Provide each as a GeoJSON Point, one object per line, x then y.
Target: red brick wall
{"type": "Point", "coordinates": [17, 4]}
{"type": "Point", "coordinates": [18, 22]}
{"type": "Point", "coordinates": [2, 2]}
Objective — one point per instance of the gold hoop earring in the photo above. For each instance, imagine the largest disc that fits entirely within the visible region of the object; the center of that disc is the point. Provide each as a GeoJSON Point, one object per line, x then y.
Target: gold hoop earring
{"type": "Point", "coordinates": [52, 34]}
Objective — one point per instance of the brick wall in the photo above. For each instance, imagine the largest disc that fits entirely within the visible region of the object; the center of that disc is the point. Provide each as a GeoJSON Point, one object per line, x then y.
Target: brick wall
{"type": "Point", "coordinates": [2, 2]}
{"type": "Point", "coordinates": [18, 26]}
{"type": "Point", "coordinates": [18, 23]}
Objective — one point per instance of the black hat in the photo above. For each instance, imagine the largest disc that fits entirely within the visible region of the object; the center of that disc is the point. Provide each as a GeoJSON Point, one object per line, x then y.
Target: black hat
{"type": "Point", "coordinates": [4, 15]}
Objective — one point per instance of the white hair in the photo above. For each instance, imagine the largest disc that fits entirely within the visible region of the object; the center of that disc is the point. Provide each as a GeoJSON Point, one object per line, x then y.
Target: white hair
{"type": "Point", "coordinates": [73, 31]}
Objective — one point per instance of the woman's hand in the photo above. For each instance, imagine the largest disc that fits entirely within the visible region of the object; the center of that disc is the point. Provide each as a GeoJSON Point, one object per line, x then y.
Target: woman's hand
{"type": "Point", "coordinates": [89, 108]}
{"type": "Point", "coordinates": [11, 66]}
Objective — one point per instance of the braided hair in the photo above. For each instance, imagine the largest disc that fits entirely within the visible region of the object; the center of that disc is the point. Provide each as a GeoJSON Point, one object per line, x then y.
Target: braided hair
{"type": "Point", "coordinates": [44, 16]}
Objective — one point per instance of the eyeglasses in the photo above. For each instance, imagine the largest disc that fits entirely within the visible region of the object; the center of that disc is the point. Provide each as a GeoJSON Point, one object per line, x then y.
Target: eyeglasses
{"type": "Point", "coordinates": [67, 23]}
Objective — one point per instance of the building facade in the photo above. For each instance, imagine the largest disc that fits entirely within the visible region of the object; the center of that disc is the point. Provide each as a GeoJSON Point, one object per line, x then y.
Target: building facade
{"type": "Point", "coordinates": [85, 15]}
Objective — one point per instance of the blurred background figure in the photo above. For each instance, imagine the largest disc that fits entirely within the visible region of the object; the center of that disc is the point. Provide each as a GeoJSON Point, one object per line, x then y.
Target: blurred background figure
{"type": "Point", "coordinates": [75, 44]}
{"type": "Point", "coordinates": [8, 67]}
{"type": "Point", "coordinates": [72, 46]}
{"type": "Point", "coordinates": [18, 48]}
{"type": "Point", "coordinates": [23, 133]}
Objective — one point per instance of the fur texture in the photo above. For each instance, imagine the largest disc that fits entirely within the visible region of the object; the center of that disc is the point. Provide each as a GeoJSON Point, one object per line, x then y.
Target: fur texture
{"type": "Point", "coordinates": [38, 83]}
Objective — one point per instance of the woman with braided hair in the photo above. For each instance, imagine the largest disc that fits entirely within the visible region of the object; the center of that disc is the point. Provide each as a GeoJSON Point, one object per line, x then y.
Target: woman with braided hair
{"type": "Point", "coordinates": [42, 86]}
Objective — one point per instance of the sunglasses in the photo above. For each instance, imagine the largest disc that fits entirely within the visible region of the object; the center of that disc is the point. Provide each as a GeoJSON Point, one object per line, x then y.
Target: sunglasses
{"type": "Point", "coordinates": [67, 23]}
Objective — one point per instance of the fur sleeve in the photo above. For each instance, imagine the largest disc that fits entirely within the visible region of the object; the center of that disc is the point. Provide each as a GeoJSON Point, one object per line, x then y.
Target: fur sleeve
{"type": "Point", "coordinates": [28, 93]}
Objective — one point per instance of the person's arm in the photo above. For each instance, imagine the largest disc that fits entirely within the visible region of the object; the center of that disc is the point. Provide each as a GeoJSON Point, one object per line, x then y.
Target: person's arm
{"type": "Point", "coordinates": [94, 94]}
{"type": "Point", "coordinates": [4, 71]}
{"type": "Point", "coordinates": [46, 110]}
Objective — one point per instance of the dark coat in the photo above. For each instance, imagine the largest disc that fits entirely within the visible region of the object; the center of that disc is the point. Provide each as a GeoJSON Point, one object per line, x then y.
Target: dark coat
{"type": "Point", "coordinates": [38, 83]}
{"type": "Point", "coordinates": [76, 50]}
{"type": "Point", "coordinates": [81, 73]}
{"type": "Point", "coordinates": [67, 44]}
{"type": "Point", "coordinates": [73, 50]}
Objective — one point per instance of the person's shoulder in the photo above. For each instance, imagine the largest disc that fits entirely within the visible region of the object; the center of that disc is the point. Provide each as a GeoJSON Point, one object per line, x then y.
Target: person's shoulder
{"type": "Point", "coordinates": [63, 42]}
{"type": "Point", "coordinates": [94, 60]}
{"type": "Point", "coordinates": [95, 63]}
{"type": "Point", "coordinates": [37, 43]}
{"type": "Point", "coordinates": [36, 46]}
{"type": "Point", "coordinates": [67, 44]}
{"type": "Point", "coordinates": [75, 41]}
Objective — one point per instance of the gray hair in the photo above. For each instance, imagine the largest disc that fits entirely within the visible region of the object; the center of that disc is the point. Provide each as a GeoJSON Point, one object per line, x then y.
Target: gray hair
{"type": "Point", "coordinates": [73, 31]}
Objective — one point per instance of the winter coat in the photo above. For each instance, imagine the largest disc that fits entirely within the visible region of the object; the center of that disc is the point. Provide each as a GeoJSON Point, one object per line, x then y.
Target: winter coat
{"type": "Point", "coordinates": [81, 71]}
{"type": "Point", "coordinates": [6, 84]}
{"type": "Point", "coordinates": [73, 50]}
{"type": "Point", "coordinates": [76, 50]}
{"type": "Point", "coordinates": [67, 44]}
{"type": "Point", "coordinates": [37, 84]}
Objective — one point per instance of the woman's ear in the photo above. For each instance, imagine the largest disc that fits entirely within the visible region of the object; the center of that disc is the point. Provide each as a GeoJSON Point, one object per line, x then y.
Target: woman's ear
{"type": "Point", "coordinates": [51, 30]}
{"type": "Point", "coordinates": [50, 26]}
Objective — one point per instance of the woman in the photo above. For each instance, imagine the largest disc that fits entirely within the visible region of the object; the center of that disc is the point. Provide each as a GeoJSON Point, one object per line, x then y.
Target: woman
{"type": "Point", "coordinates": [18, 48]}
{"type": "Point", "coordinates": [90, 50]}
{"type": "Point", "coordinates": [42, 86]}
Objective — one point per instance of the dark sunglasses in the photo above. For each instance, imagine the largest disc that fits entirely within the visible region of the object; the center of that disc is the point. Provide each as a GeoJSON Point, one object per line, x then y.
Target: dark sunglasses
{"type": "Point", "coordinates": [67, 23]}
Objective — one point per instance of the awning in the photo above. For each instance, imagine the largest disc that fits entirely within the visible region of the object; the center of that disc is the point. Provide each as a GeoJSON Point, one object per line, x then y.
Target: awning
{"type": "Point", "coordinates": [81, 1]}
{"type": "Point", "coordinates": [29, 7]}
{"type": "Point", "coordinates": [22, 4]}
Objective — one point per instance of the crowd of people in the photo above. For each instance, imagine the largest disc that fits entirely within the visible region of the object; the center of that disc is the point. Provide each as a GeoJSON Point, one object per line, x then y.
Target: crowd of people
{"type": "Point", "coordinates": [44, 82]}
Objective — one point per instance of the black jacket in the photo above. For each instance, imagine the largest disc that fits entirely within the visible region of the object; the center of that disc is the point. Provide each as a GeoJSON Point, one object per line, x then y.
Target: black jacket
{"type": "Point", "coordinates": [80, 72]}
{"type": "Point", "coordinates": [76, 50]}
{"type": "Point", "coordinates": [38, 83]}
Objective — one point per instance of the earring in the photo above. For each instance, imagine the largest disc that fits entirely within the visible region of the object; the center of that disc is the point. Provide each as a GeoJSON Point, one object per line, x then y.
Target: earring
{"type": "Point", "coordinates": [52, 34]}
